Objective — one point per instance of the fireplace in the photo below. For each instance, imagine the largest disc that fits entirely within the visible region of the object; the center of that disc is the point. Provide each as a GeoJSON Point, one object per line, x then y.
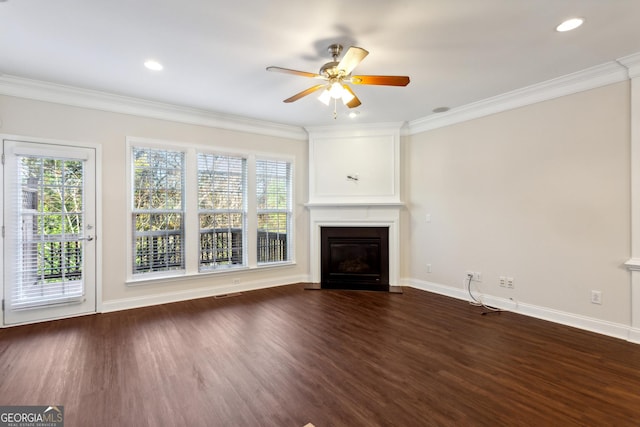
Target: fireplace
{"type": "Point", "coordinates": [354, 258]}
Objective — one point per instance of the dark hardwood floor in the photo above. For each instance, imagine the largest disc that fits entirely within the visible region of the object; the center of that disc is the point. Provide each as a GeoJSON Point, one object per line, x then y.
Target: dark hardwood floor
{"type": "Point", "coordinates": [286, 357]}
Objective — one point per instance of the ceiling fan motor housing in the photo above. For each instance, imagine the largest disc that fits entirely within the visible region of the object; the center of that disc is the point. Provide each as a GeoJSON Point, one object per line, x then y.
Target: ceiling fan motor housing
{"type": "Point", "coordinates": [330, 70]}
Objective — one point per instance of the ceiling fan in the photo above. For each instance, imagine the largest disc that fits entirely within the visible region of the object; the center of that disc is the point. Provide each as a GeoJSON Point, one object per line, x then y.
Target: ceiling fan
{"type": "Point", "coordinates": [335, 74]}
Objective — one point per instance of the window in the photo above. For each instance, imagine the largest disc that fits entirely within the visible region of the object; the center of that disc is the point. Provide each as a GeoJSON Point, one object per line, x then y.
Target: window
{"type": "Point", "coordinates": [195, 210]}
{"type": "Point", "coordinates": [273, 188]}
{"type": "Point", "coordinates": [222, 183]}
{"type": "Point", "coordinates": [157, 210]}
{"type": "Point", "coordinates": [48, 252]}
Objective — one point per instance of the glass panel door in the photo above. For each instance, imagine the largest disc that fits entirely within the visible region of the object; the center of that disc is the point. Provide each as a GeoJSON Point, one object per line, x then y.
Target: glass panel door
{"type": "Point", "coordinates": [49, 245]}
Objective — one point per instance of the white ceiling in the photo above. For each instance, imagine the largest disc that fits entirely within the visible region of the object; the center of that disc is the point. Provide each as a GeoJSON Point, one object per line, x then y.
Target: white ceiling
{"type": "Point", "coordinates": [215, 53]}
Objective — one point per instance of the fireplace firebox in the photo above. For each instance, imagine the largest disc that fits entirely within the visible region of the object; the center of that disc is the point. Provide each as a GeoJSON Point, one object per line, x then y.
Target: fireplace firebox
{"type": "Point", "coordinates": [354, 258]}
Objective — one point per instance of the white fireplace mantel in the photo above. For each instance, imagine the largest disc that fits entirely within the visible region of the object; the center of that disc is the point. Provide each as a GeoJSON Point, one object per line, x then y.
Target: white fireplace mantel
{"type": "Point", "coordinates": [354, 181]}
{"type": "Point", "coordinates": [356, 216]}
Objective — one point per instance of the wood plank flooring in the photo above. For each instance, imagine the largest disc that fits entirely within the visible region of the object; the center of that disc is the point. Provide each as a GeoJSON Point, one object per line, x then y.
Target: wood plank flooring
{"type": "Point", "coordinates": [287, 357]}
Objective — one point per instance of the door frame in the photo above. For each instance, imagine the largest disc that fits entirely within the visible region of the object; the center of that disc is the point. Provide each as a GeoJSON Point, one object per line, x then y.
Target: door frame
{"type": "Point", "coordinates": [98, 210]}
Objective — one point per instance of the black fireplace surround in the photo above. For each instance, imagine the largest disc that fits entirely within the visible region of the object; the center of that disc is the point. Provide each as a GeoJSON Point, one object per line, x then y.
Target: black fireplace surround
{"type": "Point", "coordinates": [354, 258]}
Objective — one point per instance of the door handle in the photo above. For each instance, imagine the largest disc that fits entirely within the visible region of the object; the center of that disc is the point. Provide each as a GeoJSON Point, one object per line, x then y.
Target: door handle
{"type": "Point", "coordinates": [88, 238]}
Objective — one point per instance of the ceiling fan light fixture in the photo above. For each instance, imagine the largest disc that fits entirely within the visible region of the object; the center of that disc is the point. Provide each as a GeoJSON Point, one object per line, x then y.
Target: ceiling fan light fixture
{"type": "Point", "coordinates": [325, 97]}
{"type": "Point", "coordinates": [336, 90]}
{"type": "Point", "coordinates": [569, 24]}
{"type": "Point", "coordinates": [346, 96]}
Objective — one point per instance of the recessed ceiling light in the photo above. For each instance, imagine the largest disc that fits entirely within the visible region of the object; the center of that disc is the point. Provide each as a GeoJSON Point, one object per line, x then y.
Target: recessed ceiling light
{"type": "Point", "coordinates": [570, 24]}
{"type": "Point", "coordinates": [153, 65]}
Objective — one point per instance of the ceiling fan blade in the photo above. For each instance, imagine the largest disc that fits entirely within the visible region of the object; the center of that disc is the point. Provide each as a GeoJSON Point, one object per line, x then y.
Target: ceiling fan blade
{"type": "Point", "coordinates": [351, 59]}
{"type": "Point", "coordinates": [295, 72]}
{"type": "Point", "coordinates": [355, 102]}
{"type": "Point", "coordinates": [380, 80]}
{"type": "Point", "coordinates": [304, 93]}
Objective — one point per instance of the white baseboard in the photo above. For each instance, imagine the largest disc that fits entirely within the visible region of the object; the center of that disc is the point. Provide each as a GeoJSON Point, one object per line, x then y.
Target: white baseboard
{"type": "Point", "coordinates": [616, 330]}
{"type": "Point", "coordinates": [634, 335]}
{"type": "Point", "coordinates": [176, 296]}
{"type": "Point", "coordinates": [436, 288]}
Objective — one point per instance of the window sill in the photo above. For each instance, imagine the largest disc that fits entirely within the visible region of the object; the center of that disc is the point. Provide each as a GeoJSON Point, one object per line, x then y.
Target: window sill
{"type": "Point", "coordinates": [182, 276]}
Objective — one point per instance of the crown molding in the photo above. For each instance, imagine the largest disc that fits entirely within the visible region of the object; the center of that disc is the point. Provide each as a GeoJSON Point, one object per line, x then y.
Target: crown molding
{"type": "Point", "coordinates": [591, 78]}
{"type": "Point", "coordinates": [97, 100]}
{"type": "Point", "coordinates": [632, 64]}
{"type": "Point", "coordinates": [624, 68]}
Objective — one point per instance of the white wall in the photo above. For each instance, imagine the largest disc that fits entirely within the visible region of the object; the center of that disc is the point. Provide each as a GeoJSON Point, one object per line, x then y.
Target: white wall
{"type": "Point", "coordinates": [539, 193]}
{"type": "Point", "coordinates": [54, 121]}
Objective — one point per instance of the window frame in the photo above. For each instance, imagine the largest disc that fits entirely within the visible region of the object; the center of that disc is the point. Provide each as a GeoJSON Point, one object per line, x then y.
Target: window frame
{"type": "Point", "coordinates": [131, 232]}
{"type": "Point", "coordinates": [191, 211]}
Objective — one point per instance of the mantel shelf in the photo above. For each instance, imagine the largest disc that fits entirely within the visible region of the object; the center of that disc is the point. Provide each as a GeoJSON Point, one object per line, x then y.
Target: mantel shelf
{"type": "Point", "coordinates": [633, 264]}
{"type": "Point", "coordinates": [355, 205]}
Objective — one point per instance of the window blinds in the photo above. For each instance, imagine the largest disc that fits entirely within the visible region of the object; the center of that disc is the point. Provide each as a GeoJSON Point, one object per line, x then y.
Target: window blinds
{"type": "Point", "coordinates": [222, 186]}
{"type": "Point", "coordinates": [158, 210]}
{"type": "Point", "coordinates": [273, 188]}
{"type": "Point", "coordinates": [44, 234]}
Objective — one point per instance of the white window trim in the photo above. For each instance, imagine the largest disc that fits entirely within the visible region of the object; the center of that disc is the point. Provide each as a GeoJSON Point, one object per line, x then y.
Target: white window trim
{"type": "Point", "coordinates": [137, 142]}
{"type": "Point", "coordinates": [191, 223]}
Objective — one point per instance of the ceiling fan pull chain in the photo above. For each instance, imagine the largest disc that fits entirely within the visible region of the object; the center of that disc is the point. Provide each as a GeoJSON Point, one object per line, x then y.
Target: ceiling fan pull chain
{"type": "Point", "coordinates": [335, 109]}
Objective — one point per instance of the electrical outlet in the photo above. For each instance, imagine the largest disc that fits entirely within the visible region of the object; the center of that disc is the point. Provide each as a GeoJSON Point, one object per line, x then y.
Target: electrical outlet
{"type": "Point", "coordinates": [502, 281]}
{"type": "Point", "coordinates": [476, 276]}
{"type": "Point", "coordinates": [596, 297]}
{"type": "Point", "coordinates": [510, 282]}
{"type": "Point", "coordinates": [236, 281]}
{"type": "Point", "coordinates": [428, 268]}
{"type": "Point", "coordinates": [466, 282]}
